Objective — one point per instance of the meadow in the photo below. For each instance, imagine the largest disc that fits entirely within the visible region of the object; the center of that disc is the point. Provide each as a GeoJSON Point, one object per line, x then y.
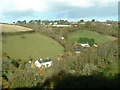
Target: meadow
{"type": "Point", "coordinates": [30, 45]}
{"type": "Point", "coordinates": [99, 38]}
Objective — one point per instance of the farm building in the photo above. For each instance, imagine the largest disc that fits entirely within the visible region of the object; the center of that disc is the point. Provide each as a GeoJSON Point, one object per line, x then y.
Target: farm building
{"type": "Point", "coordinates": [75, 44]}
{"type": "Point", "coordinates": [43, 63]}
{"type": "Point", "coordinates": [61, 25]}
{"type": "Point", "coordinates": [84, 44]}
{"type": "Point", "coordinates": [77, 51]}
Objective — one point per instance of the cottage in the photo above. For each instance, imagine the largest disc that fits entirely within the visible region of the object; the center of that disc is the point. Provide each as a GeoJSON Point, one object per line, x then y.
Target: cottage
{"type": "Point", "coordinates": [44, 63]}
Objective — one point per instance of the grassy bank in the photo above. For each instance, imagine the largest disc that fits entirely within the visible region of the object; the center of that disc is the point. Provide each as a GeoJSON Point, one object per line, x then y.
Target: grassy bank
{"type": "Point", "coordinates": [32, 45]}
{"type": "Point", "coordinates": [99, 38]}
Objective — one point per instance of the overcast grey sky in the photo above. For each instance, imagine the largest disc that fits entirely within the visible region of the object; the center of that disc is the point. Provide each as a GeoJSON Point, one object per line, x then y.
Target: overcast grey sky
{"type": "Point", "coordinates": [72, 10]}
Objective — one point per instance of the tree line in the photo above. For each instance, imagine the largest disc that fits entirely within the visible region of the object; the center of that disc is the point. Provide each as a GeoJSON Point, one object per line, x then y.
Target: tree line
{"type": "Point", "coordinates": [90, 41]}
{"type": "Point", "coordinates": [43, 22]}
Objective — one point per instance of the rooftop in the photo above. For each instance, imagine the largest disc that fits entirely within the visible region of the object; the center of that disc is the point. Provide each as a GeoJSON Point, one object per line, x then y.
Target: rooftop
{"type": "Point", "coordinates": [44, 60]}
{"type": "Point", "coordinates": [78, 49]}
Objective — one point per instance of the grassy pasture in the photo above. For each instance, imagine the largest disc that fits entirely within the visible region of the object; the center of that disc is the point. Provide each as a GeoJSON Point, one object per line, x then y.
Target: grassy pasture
{"type": "Point", "coordinates": [30, 45]}
{"type": "Point", "coordinates": [89, 34]}
{"type": "Point", "coordinates": [7, 28]}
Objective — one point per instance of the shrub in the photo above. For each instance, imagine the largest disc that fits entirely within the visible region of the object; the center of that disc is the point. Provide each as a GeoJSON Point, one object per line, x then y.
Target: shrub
{"type": "Point", "coordinates": [15, 63]}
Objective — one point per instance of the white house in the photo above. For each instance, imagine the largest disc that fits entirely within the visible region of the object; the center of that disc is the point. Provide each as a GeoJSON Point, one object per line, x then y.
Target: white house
{"type": "Point", "coordinates": [95, 45]}
{"type": "Point", "coordinates": [62, 37]}
{"type": "Point", "coordinates": [44, 63]}
{"type": "Point", "coordinates": [84, 44]}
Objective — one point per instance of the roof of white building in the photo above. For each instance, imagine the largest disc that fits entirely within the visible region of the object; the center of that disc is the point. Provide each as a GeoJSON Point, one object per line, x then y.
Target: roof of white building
{"type": "Point", "coordinates": [44, 60]}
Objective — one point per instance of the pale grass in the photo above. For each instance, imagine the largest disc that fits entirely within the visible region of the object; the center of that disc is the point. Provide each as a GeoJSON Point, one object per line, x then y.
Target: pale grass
{"type": "Point", "coordinates": [7, 28]}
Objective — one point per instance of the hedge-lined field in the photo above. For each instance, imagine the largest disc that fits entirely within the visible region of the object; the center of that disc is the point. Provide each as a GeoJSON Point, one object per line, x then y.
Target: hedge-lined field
{"type": "Point", "coordinates": [7, 28]}
{"type": "Point", "coordinates": [99, 38]}
{"type": "Point", "coordinates": [30, 45]}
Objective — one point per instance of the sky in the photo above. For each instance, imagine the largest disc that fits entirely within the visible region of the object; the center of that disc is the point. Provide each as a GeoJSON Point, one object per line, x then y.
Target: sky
{"type": "Point", "coordinates": [71, 10]}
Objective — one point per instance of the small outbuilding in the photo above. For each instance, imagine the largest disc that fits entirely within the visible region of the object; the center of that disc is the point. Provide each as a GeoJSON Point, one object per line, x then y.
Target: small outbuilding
{"type": "Point", "coordinates": [78, 51]}
{"type": "Point", "coordinates": [84, 44]}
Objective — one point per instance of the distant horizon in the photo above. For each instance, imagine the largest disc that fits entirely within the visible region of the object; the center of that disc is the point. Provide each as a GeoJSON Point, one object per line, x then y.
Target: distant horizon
{"type": "Point", "coordinates": [59, 19]}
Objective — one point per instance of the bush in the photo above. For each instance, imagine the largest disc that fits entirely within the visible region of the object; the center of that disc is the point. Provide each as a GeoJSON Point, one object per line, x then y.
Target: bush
{"type": "Point", "coordinates": [15, 63]}
{"type": "Point", "coordinates": [91, 41]}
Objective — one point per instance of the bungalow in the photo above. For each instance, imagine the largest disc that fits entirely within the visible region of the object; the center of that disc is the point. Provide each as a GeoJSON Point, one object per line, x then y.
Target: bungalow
{"type": "Point", "coordinates": [44, 63]}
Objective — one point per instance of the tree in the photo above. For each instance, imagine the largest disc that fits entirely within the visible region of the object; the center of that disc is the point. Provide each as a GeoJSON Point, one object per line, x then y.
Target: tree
{"type": "Point", "coordinates": [31, 22]}
{"type": "Point", "coordinates": [93, 20]}
{"type": "Point", "coordinates": [19, 22]}
{"type": "Point", "coordinates": [6, 65]}
{"type": "Point", "coordinates": [82, 20]}
{"type": "Point", "coordinates": [13, 22]}
{"type": "Point", "coordinates": [15, 63]}
{"type": "Point", "coordinates": [22, 64]}
{"type": "Point", "coordinates": [24, 22]}
{"type": "Point", "coordinates": [91, 42]}
{"type": "Point", "coordinates": [81, 40]}
{"type": "Point", "coordinates": [25, 78]}
{"type": "Point", "coordinates": [86, 40]}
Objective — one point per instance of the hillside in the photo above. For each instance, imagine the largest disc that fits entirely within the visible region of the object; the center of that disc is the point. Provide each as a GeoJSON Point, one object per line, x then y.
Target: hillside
{"type": "Point", "coordinates": [99, 38]}
{"type": "Point", "coordinates": [33, 45]}
{"type": "Point", "coordinates": [7, 28]}
{"type": "Point", "coordinates": [93, 67]}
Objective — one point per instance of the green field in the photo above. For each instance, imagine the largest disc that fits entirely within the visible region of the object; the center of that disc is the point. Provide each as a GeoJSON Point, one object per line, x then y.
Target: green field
{"type": "Point", "coordinates": [89, 34]}
{"type": "Point", "coordinates": [32, 45]}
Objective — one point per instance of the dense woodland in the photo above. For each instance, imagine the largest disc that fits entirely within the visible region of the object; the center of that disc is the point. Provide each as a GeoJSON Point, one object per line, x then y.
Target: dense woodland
{"type": "Point", "coordinates": [73, 71]}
